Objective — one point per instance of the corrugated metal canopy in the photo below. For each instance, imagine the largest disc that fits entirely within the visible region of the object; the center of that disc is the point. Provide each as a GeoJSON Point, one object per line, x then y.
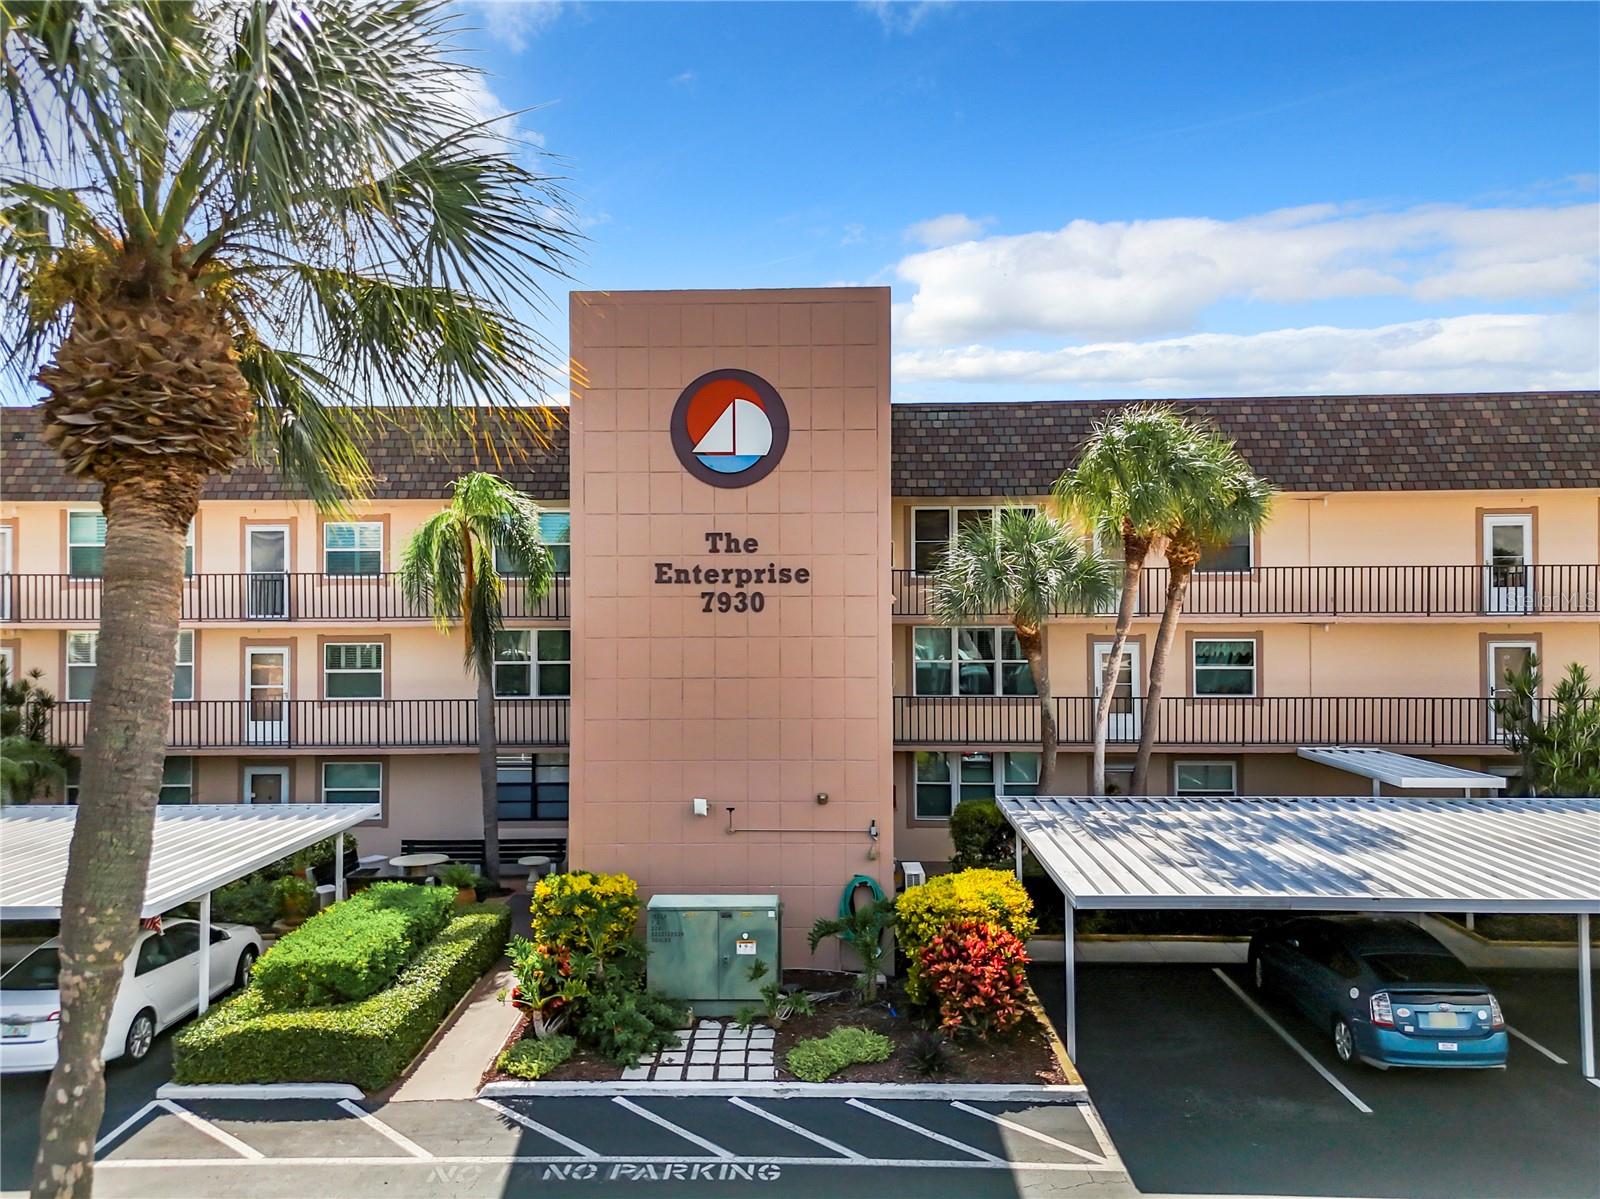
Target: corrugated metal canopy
{"type": "Point", "coordinates": [1324, 853]}
{"type": "Point", "coordinates": [196, 849]}
{"type": "Point", "coordinates": [1400, 770]}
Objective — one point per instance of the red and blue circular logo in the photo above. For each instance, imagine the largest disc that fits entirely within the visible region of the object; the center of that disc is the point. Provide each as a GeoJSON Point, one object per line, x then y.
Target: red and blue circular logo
{"type": "Point", "coordinates": [730, 428]}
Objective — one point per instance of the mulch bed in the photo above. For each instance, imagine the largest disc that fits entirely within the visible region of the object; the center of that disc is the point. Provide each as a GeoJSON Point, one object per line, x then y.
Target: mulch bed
{"type": "Point", "coordinates": [1025, 1057]}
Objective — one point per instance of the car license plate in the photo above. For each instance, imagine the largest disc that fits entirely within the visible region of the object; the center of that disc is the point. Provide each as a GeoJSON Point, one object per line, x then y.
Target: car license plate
{"type": "Point", "coordinates": [1448, 1046]}
{"type": "Point", "coordinates": [12, 1031]}
{"type": "Point", "coordinates": [1442, 1019]}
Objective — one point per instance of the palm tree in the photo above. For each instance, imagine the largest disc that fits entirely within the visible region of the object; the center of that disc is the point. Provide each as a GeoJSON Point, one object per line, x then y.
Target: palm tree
{"type": "Point", "coordinates": [28, 761]}
{"type": "Point", "coordinates": [1129, 486]}
{"type": "Point", "coordinates": [1224, 499]}
{"type": "Point", "coordinates": [231, 226]}
{"type": "Point", "coordinates": [1027, 564]}
{"type": "Point", "coordinates": [449, 567]}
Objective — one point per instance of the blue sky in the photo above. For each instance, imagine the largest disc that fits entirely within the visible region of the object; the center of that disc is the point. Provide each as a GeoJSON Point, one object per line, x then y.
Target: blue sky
{"type": "Point", "coordinates": [1098, 199]}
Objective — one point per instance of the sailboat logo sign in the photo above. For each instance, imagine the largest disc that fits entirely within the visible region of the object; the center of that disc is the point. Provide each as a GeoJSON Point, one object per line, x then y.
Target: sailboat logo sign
{"type": "Point", "coordinates": [730, 428]}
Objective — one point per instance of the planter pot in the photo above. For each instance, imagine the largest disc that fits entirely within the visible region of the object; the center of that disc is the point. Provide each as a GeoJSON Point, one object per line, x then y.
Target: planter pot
{"type": "Point", "coordinates": [466, 895]}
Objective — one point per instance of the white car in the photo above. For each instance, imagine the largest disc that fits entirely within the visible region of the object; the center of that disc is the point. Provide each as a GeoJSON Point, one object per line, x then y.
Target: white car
{"type": "Point", "coordinates": [159, 988]}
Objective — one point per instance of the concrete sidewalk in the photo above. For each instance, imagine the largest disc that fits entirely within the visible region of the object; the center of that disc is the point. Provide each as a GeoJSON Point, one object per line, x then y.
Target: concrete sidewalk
{"type": "Point", "coordinates": [1486, 955]}
{"type": "Point", "coordinates": [454, 1066]}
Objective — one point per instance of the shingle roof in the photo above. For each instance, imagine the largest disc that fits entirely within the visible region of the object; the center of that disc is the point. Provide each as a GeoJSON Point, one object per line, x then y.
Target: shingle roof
{"type": "Point", "coordinates": [1499, 440]}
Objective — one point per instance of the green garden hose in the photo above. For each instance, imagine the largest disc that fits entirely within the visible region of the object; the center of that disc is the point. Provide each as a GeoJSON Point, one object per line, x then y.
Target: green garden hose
{"type": "Point", "coordinates": [849, 893]}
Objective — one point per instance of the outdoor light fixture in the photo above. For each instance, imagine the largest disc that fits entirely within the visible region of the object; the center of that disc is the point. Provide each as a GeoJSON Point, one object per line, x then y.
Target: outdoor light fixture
{"type": "Point", "coordinates": [822, 797]}
{"type": "Point", "coordinates": [702, 807]}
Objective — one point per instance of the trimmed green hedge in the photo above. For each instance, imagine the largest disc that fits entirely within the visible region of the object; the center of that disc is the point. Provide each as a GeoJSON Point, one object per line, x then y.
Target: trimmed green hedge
{"type": "Point", "coordinates": [355, 948]}
{"type": "Point", "coordinates": [367, 1043]}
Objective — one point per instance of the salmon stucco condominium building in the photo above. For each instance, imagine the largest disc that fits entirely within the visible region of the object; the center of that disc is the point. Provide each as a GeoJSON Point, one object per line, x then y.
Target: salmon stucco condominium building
{"type": "Point", "coordinates": [736, 684]}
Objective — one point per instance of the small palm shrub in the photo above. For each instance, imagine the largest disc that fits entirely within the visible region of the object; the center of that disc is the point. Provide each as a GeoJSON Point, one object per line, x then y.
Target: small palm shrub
{"type": "Point", "coordinates": [974, 972]}
{"type": "Point", "coordinates": [992, 896]}
{"type": "Point", "coordinates": [820, 1058]}
{"type": "Point", "coordinates": [777, 1005]}
{"type": "Point", "coordinates": [534, 1059]}
{"type": "Point", "coordinates": [863, 931]}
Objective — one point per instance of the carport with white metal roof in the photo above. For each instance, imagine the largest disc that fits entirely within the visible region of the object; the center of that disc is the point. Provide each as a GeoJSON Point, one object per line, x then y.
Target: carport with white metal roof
{"type": "Point", "coordinates": [196, 849]}
{"type": "Point", "coordinates": [1326, 853]}
{"type": "Point", "coordinates": [1384, 766]}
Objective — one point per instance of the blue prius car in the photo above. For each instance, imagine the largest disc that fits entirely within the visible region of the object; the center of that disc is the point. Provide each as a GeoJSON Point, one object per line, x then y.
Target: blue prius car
{"type": "Point", "coordinates": [1387, 993]}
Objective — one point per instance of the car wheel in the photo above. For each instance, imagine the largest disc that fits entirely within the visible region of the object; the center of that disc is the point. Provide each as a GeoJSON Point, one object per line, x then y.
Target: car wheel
{"type": "Point", "coordinates": [247, 964]}
{"type": "Point", "coordinates": [141, 1035]}
{"type": "Point", "coordinates": [1344, 1040]}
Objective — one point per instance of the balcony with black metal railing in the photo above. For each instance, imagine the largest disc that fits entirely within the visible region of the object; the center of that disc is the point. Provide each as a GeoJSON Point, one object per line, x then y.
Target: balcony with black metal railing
{"type": "Point", "coordinates": [343, 724]}
{"type": "Point", "coordinates": [1336, 592]}
{"type": "Point", "coordinates": [1278, 721]}
{"type": "Point", "coordinates": [261, 598]}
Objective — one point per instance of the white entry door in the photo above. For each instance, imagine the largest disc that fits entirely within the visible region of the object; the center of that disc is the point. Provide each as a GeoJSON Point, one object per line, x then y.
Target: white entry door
{"type": "Point", "coordinates": [1126, 692]}
{"type": "Point", "coordinates": [1508, 563]}
{"type": "Point", "coordinates": [267, 583]}
{"type": "Point", "coordinates": [1505, 658]}
{"type": "Point", "coordinates": [5, 572]}
{"type": "Point", "coordinates": [266, 784]}
{"type": "Point", "coordinates": [266, 681]}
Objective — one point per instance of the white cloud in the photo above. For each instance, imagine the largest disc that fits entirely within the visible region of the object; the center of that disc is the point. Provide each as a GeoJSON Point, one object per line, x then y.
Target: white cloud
{"type": "Point", "coordinates": [948, 229]}
{"type": "Point", "coordinates": [514, 23]}
{"type": "Point", "coordinates": [1463, 353]}
{"type": "Point", "coordinates": [902, 16]}
{"type": "Point", "coordinates": [684, 79]}
{"type": "Point", "coordinates": [1132, 278]}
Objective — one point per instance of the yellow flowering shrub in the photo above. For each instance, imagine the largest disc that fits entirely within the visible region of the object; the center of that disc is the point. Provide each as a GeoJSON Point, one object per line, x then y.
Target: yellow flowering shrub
{"type": "Point", "coordinates": [584, 912]}
{"type": "Point", "coordinates": [989, 896]}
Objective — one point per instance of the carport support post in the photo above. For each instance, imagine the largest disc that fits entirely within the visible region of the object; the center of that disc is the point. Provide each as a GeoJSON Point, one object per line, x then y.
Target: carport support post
{"type": "Point", "coordinates": [1016, 840]}
{"type": "Point", "coordinates": [1069, 959]}
{"type": "Point", "coordinates": [203, 958]}
{"type": "Point", "coordinates": [338, 867]}
{"type": "Point", "coordinates": [1586, 994]}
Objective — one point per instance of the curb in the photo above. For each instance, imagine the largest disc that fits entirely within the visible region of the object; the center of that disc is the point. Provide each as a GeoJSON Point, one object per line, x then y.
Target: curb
{"type": "Point", "coordinates": [997, 1092]}
{"type": "Point", "coordinates": [258, 1090]}
{"type": "Point", "coordinates": [1058, 1047]}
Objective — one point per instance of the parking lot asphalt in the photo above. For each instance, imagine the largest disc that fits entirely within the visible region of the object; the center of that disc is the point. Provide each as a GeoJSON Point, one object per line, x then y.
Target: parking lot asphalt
{"type": "Point", "coordinates": [680, 1146]}
{"type": "Point", "coordinates": [1202, 1096]}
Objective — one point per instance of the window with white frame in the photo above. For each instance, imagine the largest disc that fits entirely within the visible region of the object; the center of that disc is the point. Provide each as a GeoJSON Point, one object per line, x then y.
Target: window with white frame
{"type": "Point", "coordinates": [1205, 778]}
{"type": "Point", "coordinates": [177, 781]}
{"type": "Point", "coordinates": [352, 782]}
{"type": "Point", "coordinates": [969, 661]}
{"type": "Point", "coordinates": [352, 670]}
{"type": "Point", "coordinates": [947, 779]}
{"type": "Point", "coordinates": [183, 676]}
{"type": "Point", "coordinates": [86, 543]}
{"type": "Point", "coordinates": [1235, 556]}
{"type": "Point", "coordinates": [1225, 666]}
{"type": "Point", "coordinates": [1119, 780]}
{"type": "Point", "coordinates": [83, 654]}
{"type": "Point", "coordinates": [555, 530]}
{"type": "Point", "coordinates": [530, 663]}
{"type": "Point", "coordinates": [531, 786]}
{"type": "Point", "coordinates": [933, 530]}
{"type": "Point", "coordinates": [352, 547]}
{"type": "Point", "coordinates": [188, 550]}
{"type": "Point", "coordinates": [8, 659]}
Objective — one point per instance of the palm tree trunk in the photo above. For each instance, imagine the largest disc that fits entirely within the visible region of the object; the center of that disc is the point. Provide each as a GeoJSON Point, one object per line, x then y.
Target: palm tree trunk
{"type": "Point", "coordinates": [1178, 573]}
{"type": "Point", "coordinates": [1032, 641]}
{"type": "Point", "coordinates": [129, 716]}
{"type": "Point", "coordinates": [1134, 552]}
{"type": "Point", "coordinates": [488, 750]}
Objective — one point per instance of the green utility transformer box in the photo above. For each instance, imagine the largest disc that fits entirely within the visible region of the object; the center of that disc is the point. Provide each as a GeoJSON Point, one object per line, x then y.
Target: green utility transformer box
{"type": "Point", "coordinates": [703, 948]}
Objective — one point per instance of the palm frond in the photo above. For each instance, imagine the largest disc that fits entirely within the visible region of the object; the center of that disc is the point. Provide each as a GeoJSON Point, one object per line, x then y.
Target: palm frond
{"type": "Point", "coordinates": [1026, 563]}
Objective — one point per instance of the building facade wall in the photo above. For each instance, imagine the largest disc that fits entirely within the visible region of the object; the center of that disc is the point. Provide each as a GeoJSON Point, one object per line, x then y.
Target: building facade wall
{"type": "Point", "coordinates": [761, 712]}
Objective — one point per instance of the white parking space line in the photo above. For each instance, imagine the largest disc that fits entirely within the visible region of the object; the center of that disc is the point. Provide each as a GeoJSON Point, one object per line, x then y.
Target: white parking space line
{"type": "Point", "coordinates": [383, 1130]}
{"type": "Point", "coordinates": [124, 1126]}
{"type": "Point", "coordinates": [1288, 1040]}
{"type": "Point", "coordinates": [815, 1137]}
{"type": "Point", "coordinates": [542, 1129]}
{"type": "Point", "coordinates": [921, 1131]}
{"type": "Point", "coordinates": [1026, 1131]}
{"type": "Point", "coordinates": [708, 1146]}
{"type": "Point", "coordinates": [1091, 1117]}
{"type": "Point", "coordinates": [211, 1130]}
{"type": "Point", "coordinates": [1532, 1044]}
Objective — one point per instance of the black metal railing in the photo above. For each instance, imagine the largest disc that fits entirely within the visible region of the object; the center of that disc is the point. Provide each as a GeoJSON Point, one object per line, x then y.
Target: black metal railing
{"type": "Point", "coordinates": [261, 597]}
{"type": "Point", "coordinates": [1335, 591]}
{"type": "Point", "coordinates": [1276, 720]}
{"type": "Point", "coordinates": [374, 724]}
